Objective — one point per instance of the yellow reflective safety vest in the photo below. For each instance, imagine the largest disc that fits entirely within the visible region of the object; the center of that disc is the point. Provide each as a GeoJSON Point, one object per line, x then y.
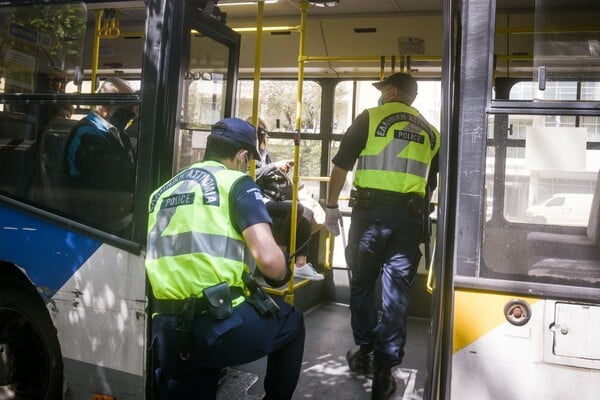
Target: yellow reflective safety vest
{"type": "Point", "coordinates": [398, 152]}
{"type": "Point", "coordinates": [191, 242]}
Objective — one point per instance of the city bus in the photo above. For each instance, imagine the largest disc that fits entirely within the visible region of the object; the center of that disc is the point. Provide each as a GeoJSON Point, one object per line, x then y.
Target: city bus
{"type": "Point", "coordinates": [504, 306]}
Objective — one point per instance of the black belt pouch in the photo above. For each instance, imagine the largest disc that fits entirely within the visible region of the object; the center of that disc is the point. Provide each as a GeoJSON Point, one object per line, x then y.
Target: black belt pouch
{"type": "Point", "coordinates": [218, 298]}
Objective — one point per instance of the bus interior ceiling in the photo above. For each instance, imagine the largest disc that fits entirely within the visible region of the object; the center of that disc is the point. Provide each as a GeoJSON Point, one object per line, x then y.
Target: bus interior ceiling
{"type": "Point", "coordinates": [350, 39]}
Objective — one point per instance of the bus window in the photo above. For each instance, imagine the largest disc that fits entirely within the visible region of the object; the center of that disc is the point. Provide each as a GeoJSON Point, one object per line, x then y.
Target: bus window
{"type": "Point", "coordinates": [45, 51]}
{"type": "Point", "coordinates": [540, 44]}
{"type": "Point", "coordinates": [37, 55]}
{"type": "Point", "coordinates": [542, 171]}
{"type": "Point", "coordinates": [277, 104]}
{"type": "Point", "coordinates": [428, 102]}
{"type": "Point", "coordinates": [347, 93]}
{"type": "Point", "coordinates": [277, 108]}
{"type": "Point", "coordinates": [203, 98]}
{"type": "Point", "coordinates": [545, 156]}
{"type": "Point", "coordinates": [553, 91]}
{"type": "Point", "coordinates": [40, 56]}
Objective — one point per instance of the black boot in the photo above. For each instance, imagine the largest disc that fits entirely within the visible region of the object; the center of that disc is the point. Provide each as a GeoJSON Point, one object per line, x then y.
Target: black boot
{"type": "Point", "coordinates": [384, 383]}
{"type": "Point", "coordinates": [361, 360]}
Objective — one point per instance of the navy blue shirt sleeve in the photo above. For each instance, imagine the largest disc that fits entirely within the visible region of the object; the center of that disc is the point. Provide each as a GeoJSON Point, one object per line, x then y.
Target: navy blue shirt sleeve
{"type": "Point", "coordinates": [246, 206]}
{"type": "Point", "coordinates": [353, 142]}
{"type": "Point", "coordinates": [433, 171]}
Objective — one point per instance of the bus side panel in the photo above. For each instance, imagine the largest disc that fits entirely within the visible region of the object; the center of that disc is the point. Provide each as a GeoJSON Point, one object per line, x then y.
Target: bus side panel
{"type": "Point", "coordinates": [95, 295]}
{"type": "Point", "coordinates": [494, 359]}
{"type": "Point", "coordinates": [100, 316]}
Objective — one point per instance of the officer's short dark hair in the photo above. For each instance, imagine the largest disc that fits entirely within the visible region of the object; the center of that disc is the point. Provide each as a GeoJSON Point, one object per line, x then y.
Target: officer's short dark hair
{"type": "Point", "coordinates": [220, 147]}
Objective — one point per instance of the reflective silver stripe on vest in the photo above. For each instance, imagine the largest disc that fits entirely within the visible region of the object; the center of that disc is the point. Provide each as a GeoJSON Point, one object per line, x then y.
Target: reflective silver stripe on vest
{"type": "Point", "coordinates": [394, 164]}
{"type": "Point", "coordinates": [388, 160]}
{"type": "Point", "coordinates": [194, 242]}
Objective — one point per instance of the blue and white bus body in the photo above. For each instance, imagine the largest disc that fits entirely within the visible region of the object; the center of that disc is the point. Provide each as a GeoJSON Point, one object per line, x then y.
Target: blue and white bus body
{"type": "Point", "coordinates": [95, 295]}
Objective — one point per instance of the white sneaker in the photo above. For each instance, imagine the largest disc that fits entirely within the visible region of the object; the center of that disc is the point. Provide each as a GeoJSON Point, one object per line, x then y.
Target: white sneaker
{"type": "Point", "coordinates": [307, 271]}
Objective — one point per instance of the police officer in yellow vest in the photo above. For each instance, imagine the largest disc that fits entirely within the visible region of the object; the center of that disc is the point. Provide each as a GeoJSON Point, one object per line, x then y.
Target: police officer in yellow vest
{"type": "Point", "coordinates": [208, 228]}
{"type": "Point", "coordinates": [396, 149]}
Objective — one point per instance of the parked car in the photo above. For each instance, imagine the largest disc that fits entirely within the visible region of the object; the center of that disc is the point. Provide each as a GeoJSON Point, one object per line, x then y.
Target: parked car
{"type": "Point", "coordinates": [562, 209]}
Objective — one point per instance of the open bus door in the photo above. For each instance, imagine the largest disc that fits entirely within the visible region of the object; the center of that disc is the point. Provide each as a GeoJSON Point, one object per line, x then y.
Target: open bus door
{"type": "Point", "coordinates": [516, 300]}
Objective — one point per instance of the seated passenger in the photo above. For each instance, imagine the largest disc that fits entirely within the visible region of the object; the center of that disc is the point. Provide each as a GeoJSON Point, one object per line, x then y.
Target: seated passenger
{"type": "Point", "coordinates": [61, 111]}
{"type": "Point", "coordinates": [99, 159]}
{"type": "Point", "coordinates": [280, 209]}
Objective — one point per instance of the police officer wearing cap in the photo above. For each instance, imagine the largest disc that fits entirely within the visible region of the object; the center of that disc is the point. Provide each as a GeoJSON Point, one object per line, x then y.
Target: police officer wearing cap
{"type": "Point", "coordinates": [396, 149]}
{"type": "Point", "coordinates": [207, 229]}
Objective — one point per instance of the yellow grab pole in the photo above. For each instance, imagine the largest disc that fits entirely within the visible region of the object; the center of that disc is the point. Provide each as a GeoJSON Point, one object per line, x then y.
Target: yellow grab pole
{"type": "Point", "coordinates": [257, 64]}
{"type": "Point", "coordinates": [431, 59]}
{"type": "Point", "coordinates": [96, 49]}
{"type": "Point", "coordinates": [303, 9]}
{"type": "Point", "coordinates": [430, 281]}
{"type": "Point", "coordinates": [282, 28]}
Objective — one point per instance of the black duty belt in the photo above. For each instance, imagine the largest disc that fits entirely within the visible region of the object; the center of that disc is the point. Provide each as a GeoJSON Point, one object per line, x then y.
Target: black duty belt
{"type": "Point", "coordinates": [367, 198]}
{"type": "Point", "coordinates": [175, 307]}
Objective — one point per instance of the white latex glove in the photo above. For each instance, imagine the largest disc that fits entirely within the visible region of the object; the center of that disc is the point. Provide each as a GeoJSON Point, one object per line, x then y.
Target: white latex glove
{"type": "Point", "coordinates": [332, 220]}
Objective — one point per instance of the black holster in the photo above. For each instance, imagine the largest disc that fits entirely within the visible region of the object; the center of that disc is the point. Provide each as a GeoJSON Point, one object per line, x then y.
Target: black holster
{"type": "Point", "coordinates": [216, 299]}
{"type": "Point", "coordinates": [182, 333]}
{"type": "Point", "coordinates": [259, 299]}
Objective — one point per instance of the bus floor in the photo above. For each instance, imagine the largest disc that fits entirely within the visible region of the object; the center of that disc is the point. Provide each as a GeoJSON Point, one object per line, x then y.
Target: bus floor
{"type": "Point", "coordinates": [325, 373]}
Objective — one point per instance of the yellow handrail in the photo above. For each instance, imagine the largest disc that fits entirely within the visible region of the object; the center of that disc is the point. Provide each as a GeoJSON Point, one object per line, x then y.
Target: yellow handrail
{"type": "Point", "coordinates": [257, 66]}
{"type": "Point", "coordinates": [96, 49]}
{"type": "Point", "coordinates": [430, 284]}
{"type": "Point", "coordinates": [292, 248]}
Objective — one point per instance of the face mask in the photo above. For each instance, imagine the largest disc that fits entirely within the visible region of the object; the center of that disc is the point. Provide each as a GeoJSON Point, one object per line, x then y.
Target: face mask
{"type": "Point", "coordinates": [121, 118]}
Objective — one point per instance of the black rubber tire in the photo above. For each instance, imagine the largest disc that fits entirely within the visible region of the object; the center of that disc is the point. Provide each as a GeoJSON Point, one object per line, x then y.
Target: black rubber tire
{"type": "Point", "coordinates": [32, 362]}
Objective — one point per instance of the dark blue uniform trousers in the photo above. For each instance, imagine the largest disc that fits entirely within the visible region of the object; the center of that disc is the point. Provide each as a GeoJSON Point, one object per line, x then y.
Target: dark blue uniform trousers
{"type": "Point", "coordinates": [239, 339]}
{"type": "Point", "coordinates": [382, 240]}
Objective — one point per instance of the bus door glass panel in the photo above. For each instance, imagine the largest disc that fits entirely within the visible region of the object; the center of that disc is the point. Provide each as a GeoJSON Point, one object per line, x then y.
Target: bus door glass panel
{"type": "Point", "coordinates": [203, 96]}
{"type": "Point", "coordinates": [546, 41]}
{"type": "Point", "coordinates": [565, 42]}
{"type": "Point", "coordinates": [543, 171]}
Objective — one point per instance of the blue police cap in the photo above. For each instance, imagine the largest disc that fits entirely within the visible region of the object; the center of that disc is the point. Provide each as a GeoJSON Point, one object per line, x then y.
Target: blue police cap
{"type": "Point", "coordinates": [238, 130]}
{"type": "Point", "coordinates": [400, 80]}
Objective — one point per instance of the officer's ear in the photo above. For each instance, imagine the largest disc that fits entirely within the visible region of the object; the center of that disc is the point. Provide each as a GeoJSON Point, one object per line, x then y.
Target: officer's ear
{"type": "Point", "coordinates": [242, 156]}
{"type": "Point", "coordinates": [241, 160]}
